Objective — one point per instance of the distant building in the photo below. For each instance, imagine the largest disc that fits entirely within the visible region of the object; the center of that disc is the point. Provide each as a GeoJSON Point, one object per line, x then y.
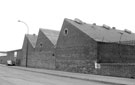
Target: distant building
{"type": "Point", "coordinates": [44, 57]}
{"type": "Point", "coordinates": [14, 56]}
{"type": "Point", "coordinates": [3, 56]}
{"type": "Point", "coordinates": [81, 46]}
{"type": "Point", "coordinates": [28, 48]}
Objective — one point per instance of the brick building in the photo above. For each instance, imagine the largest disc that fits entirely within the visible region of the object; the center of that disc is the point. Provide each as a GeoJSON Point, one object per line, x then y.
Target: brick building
{"type": "Point", "coordinates": [81, 46]}
{"type": "Point", "coordinates": [44, 57]}
{"type": "Point", "coordinates": [28, 48]}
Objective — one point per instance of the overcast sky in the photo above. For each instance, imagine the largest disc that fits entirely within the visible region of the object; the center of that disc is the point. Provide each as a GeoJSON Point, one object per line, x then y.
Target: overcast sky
{"type": "Point", "coordinates": [51, 13]}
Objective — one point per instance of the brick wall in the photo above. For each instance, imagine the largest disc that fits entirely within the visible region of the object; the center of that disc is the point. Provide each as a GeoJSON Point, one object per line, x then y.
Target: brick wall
{"type": "Point", "coordinates": [30, 50]}
{"type": "Point", "coordinates": [75, 51]}
{"type": "Point", "coordinates": [75, 59]}
{"type": "Point", "coordinates": [43, 55]}
{"type": "Point", "coordinates": [19, 57]}
{"type": "Point", "coordinates": [131, 42]}
{"type": "Point", "coordinates": [46, 43]}
{"type": "Point", "coordinates": [44, 59]}
{"type": "Point", "coordinates": [115, 53]}
{"type": "Point", "coordinates": [117, 69]}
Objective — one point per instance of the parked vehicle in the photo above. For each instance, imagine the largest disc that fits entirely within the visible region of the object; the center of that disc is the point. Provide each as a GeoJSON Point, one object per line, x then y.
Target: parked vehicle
{"type": "Point", "coordinates": [10, 63]}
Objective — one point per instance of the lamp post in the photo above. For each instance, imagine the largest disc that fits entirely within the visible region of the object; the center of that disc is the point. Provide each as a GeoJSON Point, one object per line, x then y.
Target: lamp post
{"type": "Point", "coordinates": [25, 25]}
{"type": "Point", "coordinates": [27, 41]}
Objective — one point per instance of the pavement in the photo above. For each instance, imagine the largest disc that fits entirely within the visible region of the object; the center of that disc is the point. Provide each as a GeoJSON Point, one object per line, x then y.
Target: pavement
{"type": "Point", "coordinates": [85, 77]}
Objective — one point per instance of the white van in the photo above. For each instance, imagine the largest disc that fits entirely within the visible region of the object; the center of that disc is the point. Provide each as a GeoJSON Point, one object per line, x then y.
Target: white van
{"type": "Point", "coordinates": [10, 63]}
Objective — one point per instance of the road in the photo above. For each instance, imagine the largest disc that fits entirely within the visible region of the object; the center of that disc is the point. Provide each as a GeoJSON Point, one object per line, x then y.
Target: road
{"type": "Point", "coordinates": [12, 76]}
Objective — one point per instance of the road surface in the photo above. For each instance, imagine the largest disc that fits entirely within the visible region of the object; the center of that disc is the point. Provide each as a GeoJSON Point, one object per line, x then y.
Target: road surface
{"type": "Point", "coordinates": [12, 76]}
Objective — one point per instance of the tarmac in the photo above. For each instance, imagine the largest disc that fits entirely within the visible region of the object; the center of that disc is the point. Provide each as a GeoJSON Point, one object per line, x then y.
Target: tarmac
{"type": "Point", "coordinates": [85, 77]}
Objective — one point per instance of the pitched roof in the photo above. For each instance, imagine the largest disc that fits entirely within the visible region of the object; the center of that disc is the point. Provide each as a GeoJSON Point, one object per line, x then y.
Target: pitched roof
{"type": "Point", "coordinates": [32, 39]}
{"type": "Point", "coordinates": [52, 35]}
{"type": "Point", "coordinates": [100, 33]}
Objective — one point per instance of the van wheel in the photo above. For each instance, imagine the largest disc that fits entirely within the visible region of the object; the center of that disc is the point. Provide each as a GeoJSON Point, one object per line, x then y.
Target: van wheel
{"type": "Point", "coordinates": [132, 77]}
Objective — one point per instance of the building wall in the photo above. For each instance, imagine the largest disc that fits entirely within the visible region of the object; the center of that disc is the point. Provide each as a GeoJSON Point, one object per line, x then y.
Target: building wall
{"type": "Point", "coordinates": [10, 55]}
{"type": "Point", "coordinates": [126, 70]}
{"type": "Point", "coordinates": [43, 56]}
{"type": "Point", "coordinates": [46, 43]}
{"type": "Point", "coordinates": [3, 59]}
{"type": "Point", "coordinates": [131, 42]}
{"type": "Point", "coordinates": [43, 59]}
{"type": "Point", "coordinates": [24, 51]}
{"type": "Point", "coordinates": [115, 53]}
{"type": "Point", "coordinates": [75, 51]}
{"type": "Point", "coordinates": [19, 56]}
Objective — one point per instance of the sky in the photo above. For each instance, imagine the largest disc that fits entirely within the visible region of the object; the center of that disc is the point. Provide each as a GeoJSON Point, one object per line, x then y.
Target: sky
{"type": "Point", "coordinates": [51, 13]}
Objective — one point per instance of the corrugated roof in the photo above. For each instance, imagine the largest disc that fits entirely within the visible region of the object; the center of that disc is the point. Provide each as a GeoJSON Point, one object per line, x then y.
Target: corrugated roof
{"type": "Point", "coordinates": [51, 34]}
{"type": "Point", "coordinates": [100, 33]}
{"type": "Point", "coordinates": [32, 39]}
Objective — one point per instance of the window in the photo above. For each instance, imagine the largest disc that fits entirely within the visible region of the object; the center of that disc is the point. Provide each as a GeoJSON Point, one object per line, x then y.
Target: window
{"type": "Point", "coordinates": [41, 44]}
{"type": "Point", "coordinates": [53, 54]}
{"type": "Point", "coordinates": [65, 31]}
{"type": "Point", "coordinates": [15, 54]}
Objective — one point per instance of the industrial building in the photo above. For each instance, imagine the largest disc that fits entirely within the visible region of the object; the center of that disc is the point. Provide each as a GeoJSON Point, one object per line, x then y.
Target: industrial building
{"type": "Point", "coordinates": [89, 48]}
{"type": "Point", "coordinates": [79, 47]}
{"type": "Point", "coordinates": [43, 56]}
{"type": "Point", "coordinates": [28, 48]}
